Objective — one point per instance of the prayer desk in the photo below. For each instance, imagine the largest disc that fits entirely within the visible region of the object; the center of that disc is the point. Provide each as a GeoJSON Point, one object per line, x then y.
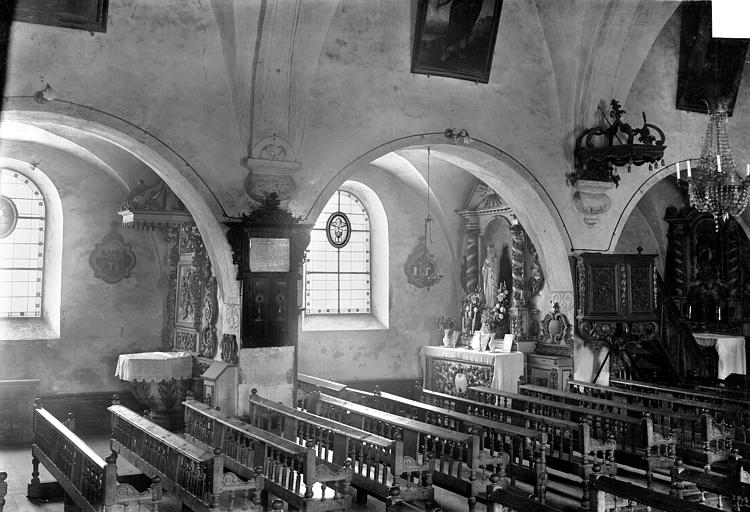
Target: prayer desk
{"type": "Point", "coordinates": [731, 350]}
{"type": "Point", "coordinates": [454, 370]}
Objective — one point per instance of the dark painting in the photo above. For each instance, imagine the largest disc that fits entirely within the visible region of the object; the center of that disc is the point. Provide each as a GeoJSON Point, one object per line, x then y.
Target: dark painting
{"type": "Point", "coordinates": [88, 15]}
{"type": "Point", "coordinates": [456, 38]}
{"type": "Point", "coordinates": [710, 68]}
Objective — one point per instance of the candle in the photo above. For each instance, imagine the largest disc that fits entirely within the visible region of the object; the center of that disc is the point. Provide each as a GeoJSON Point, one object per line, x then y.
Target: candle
{"type": "Point", "coordinates": [690, 175]}
{"type": "Point", "coordinates": [718, 309]}
{"type": "Point", "coordinates": [690, 312]}
{"type": "Point", "coordinates": [678, 170]}
{"type": "Point", "coordinates": [718, 163]}
{"type": "Point", "coordinates": [748, 169]}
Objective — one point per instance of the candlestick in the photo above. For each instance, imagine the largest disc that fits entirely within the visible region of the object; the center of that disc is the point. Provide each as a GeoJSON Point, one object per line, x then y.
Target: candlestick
{"type": "Point", "coordinates": [690, 174]}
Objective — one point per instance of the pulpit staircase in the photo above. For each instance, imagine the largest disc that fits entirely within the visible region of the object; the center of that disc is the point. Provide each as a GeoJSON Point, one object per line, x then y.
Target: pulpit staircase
{"type": "Point", "coordinates": [671, 354]}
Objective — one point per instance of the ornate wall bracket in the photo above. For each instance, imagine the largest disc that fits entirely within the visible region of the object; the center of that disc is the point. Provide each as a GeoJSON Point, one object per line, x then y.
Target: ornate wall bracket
{"type": "Point", "coordinates": [271, 167]}
{"type": "Point", "coordinates": [152, 207]}
{"type": "Point", "coordinates": [591, 199]}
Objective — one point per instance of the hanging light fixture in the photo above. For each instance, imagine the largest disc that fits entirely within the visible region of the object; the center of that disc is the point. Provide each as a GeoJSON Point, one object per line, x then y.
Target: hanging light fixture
{"type": "Point", "coordinates": [421, 266]}
{"type": "Point", "coordinates": [717, 186]}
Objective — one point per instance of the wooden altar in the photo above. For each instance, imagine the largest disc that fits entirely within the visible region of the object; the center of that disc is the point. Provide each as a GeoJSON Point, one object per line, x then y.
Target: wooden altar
{"type": "Point", "coordinates": [454, 370]}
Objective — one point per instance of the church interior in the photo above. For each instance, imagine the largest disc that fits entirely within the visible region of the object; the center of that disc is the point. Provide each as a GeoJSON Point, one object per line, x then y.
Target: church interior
{"type": "Point", "coordinates": [373, 255]}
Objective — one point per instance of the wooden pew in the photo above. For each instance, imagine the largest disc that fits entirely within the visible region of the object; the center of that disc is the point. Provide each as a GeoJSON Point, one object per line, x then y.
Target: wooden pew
{"type": "Point", "coordinates": [87, 480]}
{"type": "Point", "coordinates": [195, 476]}
{"type": "Point", "coordinates": [609, 494]}
{"type": "Point", "coordinates": [572, 448]}
{"type": "Point", "coordinates": [307, 384]}
{"type": "Point", "coordinates": [637, 443]}
{"type": "Point", "coordinates": [713, 395]}
{"type": "Point", "coordinates": [462, 464]}
{"type": "Point", "coordinates": [290, 471]}
{"type": "Point", "coordinates": [730, 413]}
{"type": "Point", "coordinates": [735, 486]}
{"type": "Point", "coordinates": [500, 497]}
{"type": "Point", "coordinates": [380, 467]}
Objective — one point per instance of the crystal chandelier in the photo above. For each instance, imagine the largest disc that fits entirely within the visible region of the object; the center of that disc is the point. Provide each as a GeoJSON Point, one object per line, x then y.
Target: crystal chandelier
{"type": "Point", "coordinates": [717, 187]}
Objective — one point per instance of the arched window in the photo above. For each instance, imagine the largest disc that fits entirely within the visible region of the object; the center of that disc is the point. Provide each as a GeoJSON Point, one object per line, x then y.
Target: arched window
{"type": "Point", "coordinates": [22, 245]}
{"type": "Point", "coordinates": [337, 273]}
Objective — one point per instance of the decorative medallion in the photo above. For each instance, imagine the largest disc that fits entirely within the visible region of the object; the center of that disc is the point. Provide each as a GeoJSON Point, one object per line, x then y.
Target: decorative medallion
{"type": "Point", "coordinates": [8, 216]}
{"type": "Point", "coordinates": [338, 230]}
{"type": "Point", "coordinates": [112, 259]}
{"type": "Point", "coordinates": [229, 351]}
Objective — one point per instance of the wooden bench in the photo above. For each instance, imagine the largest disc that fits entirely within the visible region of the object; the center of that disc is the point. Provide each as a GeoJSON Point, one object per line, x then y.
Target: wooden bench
{"type": "Point", "coordinates": [307, 384]}
{"type": "Point", "coordinates": [730, 413]}
{"type": "Point", "coordinates": [561, 454]}
{"type": "Point", "coordinates": [462, 464]}
{"type": "Point", "coordinates": [690, 483]}
{"type": "Point", "coordinates": [194, 475]}
{"type": "Point", "coordinates": [713, 395]}
{"type": "Point", "coordinates": [637, 443]}
{"type": "Point", "coordinates": [88, 480]}
{"type": "Point", "coordinates": [609, 494]}
{"type": "Point", "coordinates": [380, 468]}
{"type": "Point", "coordinates": [500, 497]}
{"type": "Point", "coordinates": [290, 472]}
{"type": "Point", "coordinates": [698, 438]}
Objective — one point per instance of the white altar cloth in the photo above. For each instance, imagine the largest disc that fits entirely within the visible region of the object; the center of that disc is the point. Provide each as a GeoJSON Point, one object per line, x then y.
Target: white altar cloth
{"type": "Point", "coordinates": [157, 366]}
{"type": "Point", "coordinates": [508, 366]}
{"type": "Point", "coordinates": [731, 350]}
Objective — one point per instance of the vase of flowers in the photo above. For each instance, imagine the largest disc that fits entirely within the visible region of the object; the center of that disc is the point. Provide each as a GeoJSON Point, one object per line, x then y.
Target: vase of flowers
{"type": "Point", "coordinates": [498, 316]}
{"type": "Point", "coordinates": [447, 323]}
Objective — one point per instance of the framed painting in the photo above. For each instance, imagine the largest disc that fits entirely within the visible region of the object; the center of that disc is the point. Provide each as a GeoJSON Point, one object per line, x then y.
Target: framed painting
{"type": "Point", "coordinates": [456, 38]}
{"type": "Point", "coordinates": [90, 15]}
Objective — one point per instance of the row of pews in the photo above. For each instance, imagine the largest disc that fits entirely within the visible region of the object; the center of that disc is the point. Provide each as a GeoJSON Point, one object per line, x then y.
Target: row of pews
{"type": "Point", "coordinates": [583, 433]}
{"type": "Point", "coordinates": [537, 449]}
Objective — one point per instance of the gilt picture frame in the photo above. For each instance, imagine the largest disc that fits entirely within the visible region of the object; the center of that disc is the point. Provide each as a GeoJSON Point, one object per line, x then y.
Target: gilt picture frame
{"type": "Point", "coordinates": [89, 15]}
{"type": "Point", "coordinates": [456, 38]}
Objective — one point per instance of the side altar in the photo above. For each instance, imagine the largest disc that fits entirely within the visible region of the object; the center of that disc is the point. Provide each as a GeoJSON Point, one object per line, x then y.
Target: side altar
{"type": "Point", "coordinates": [454, 370]}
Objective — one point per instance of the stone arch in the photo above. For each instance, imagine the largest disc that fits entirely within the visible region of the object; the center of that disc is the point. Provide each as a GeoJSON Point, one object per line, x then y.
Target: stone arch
{"type": "Point", "coordinates": [163, 160]}
{"type": "Point", "coordinates": [503, 173]}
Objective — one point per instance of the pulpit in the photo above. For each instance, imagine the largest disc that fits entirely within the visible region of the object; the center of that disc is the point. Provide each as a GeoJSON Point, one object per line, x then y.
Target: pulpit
{"type": "Point", "coordinates": [159, 381]}
{"type": "Point", "coordinates": [731, 350]}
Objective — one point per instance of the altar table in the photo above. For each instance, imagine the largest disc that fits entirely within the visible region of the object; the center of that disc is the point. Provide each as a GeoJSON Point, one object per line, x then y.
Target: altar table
{"type": "Point", "coordinates": [731, 350]}
{"type": "Point", "coordinates": [453, 370]}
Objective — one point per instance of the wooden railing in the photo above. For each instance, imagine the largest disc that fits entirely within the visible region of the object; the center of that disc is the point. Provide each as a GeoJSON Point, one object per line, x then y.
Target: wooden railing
{"type": "Point", "coordinates": [380, 468]}
{"type": "Point", "coordinates": [290, 471]}
{"type": "Point", "coordinates": [699, 393]}
{"type": "Point", "coordinates": [462, 462]}
{"type": "Point", "coordinates": [90, 481]}
{"type": "Point", "coordinates": [194, 475]}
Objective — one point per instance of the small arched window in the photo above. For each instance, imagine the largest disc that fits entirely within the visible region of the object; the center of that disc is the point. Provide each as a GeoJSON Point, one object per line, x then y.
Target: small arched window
{"type": "Point", "coordinates": [22, 245]}
{"type": "Point", "coordinates": [337, 273]}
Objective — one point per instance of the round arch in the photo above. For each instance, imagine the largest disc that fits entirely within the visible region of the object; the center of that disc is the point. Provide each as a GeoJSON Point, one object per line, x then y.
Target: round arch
{"type": "Point", "coordinates": [165, 162]}
{"type": "Point", "coordinates": [501, 172]}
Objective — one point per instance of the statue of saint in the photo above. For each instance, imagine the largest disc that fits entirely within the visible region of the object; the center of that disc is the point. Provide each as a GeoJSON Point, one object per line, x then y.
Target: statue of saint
{"type": "Point", "coordinates": [489, 276]}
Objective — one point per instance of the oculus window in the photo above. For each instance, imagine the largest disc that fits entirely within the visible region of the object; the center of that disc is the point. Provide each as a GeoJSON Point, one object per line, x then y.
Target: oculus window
{"type": "Point", "coordinates": [22, 245]}
{"type": "Point", "coordinates": [337, 271]}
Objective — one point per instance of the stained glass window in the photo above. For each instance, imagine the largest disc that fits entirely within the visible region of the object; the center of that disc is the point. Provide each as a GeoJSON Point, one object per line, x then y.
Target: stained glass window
{"type": "Point", "coordinates": [22, 236]}
{"type": "Point", "coordinates": [337, 272]}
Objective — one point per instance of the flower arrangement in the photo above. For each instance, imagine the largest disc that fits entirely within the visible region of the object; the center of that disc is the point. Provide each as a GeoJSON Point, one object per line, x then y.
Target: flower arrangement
{"type": "Point", "coordinates": [496, 315]}
{"type": "Point", "coordinates": [445, 322]}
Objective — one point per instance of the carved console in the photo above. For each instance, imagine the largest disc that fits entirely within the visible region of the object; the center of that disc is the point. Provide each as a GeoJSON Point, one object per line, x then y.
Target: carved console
{"type": "Point", "coordinates": [551, 363]}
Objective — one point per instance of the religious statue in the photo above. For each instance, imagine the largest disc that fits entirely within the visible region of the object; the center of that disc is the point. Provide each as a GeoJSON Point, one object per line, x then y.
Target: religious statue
{"type": "Point", "coordinates": [489, 273]}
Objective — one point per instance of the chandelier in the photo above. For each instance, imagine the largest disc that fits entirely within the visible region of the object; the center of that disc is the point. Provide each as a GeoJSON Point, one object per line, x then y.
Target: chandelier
{"type": "Point", "coordinates": [421, 266]}
{"type": "Point", "coordinates": [717, 187]}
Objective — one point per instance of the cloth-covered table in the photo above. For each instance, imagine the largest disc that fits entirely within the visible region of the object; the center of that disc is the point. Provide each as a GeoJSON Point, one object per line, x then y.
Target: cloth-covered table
{"type": "Point", "coordinates": [452, 370]}
{"type": "Point", "coordinates": [731, 350]}
{"type": "Point", "coordinates": [156, 366]}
